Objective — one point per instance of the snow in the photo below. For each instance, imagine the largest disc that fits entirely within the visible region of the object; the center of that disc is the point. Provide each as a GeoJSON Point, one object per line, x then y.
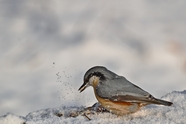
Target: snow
{"type": "Point", "coordinates": [147, 115]}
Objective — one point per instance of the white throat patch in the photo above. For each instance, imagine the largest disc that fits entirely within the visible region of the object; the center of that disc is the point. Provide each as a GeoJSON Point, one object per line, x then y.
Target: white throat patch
{"type": "Point", "coordinates": [93, 79]}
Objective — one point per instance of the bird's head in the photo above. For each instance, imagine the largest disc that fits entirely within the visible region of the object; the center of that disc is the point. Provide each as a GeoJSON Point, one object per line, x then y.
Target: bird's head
{"type": "Point", "coordinates": [99, 73]}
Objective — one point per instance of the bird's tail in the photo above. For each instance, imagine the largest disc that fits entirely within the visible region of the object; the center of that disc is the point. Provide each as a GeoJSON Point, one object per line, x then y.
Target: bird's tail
{"type": "Point", "coordinates": [163, 102]}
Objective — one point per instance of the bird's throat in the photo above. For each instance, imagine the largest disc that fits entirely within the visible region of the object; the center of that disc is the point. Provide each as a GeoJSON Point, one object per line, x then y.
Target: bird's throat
{"type": "Point", "coordinates": [95, 81]}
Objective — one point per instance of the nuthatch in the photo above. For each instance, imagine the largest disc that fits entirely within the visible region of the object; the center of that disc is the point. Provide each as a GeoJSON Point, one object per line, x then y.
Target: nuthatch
{"type": "Point", "coordinates": [115, 93]}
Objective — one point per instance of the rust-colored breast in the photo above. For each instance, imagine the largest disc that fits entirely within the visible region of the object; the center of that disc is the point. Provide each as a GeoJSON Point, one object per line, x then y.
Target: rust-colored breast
{"type": "Point", "coordinates": [116, 107]}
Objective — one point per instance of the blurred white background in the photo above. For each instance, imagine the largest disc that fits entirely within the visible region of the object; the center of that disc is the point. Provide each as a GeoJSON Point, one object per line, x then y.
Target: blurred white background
{"type": "Point", "coordinates": [47, 46]}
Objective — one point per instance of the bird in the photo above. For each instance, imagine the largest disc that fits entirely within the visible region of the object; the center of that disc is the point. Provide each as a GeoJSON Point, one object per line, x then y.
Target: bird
{"type": "Point", "coordinates": [117, 94]}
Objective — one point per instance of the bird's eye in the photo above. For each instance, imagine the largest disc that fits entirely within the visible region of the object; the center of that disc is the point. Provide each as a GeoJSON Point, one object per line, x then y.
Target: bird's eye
{"type": "Point", "coordinates": [89, 76]}
{"type": "Point", "coordinates": [100, 75]}
{"type": "Point", "coordinates": [97, 74]}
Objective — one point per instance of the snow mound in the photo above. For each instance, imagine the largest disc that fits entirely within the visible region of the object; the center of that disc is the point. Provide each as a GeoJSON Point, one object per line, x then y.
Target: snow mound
{"type": "Point", "coordinates": [149, 114]}
{"type": "Point", "coordinates": [12, 119]}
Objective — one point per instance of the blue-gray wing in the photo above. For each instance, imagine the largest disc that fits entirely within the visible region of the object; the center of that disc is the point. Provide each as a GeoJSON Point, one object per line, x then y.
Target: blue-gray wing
{"type": "Point", "coordinates": [120, 89]}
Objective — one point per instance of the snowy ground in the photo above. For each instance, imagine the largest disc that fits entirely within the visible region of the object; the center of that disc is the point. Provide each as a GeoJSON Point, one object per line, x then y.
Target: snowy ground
{"type": "Point", "coordinates": [152, 114]}
{"type": "Point", "coordinates": [47, 46]}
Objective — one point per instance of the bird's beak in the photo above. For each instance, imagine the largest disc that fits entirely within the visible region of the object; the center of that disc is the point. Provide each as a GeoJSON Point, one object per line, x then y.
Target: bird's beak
{"type": "Point", "coordinates": [83, 87]}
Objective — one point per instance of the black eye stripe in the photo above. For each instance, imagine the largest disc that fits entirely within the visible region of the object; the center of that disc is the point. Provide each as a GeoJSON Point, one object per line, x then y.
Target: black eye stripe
{"type": "Point", "coordinates": [98, 74]}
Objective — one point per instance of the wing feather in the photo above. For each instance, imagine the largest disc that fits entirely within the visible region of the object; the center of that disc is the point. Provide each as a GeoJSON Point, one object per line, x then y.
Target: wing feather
{"type": "Point", "coordinates": [120, 89]}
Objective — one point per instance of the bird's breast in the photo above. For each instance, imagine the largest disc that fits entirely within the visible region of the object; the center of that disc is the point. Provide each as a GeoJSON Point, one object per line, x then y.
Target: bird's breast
{"type": "Point", "coordinates": [116, 107]}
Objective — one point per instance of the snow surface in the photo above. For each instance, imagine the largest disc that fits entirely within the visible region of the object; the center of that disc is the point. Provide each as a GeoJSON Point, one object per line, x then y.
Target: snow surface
{"type": "Point", "coordinates": [152, 114]}
{"type": "Point", "coordinates": [47, 46]}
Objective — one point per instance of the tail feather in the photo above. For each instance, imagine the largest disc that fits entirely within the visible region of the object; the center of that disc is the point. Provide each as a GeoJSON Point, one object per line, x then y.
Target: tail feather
{"type": "Point", "coordinates": [162, 102]}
